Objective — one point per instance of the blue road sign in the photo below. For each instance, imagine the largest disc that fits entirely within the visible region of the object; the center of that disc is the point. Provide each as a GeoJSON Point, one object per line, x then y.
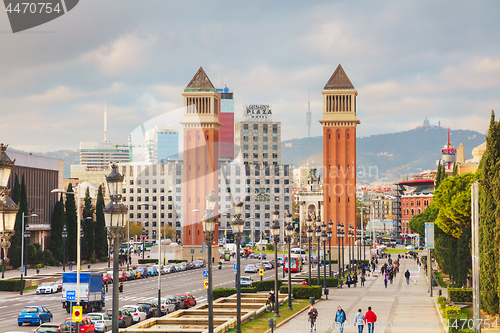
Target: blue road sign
{"type": "Point", "coordinates": [192, 251]}
{"type": "Point", "coordinates": [70, 295]}
{"type": "Point", "coordinates": [235, 267]}
{"type": "Point", "coordinates": [205, 274]}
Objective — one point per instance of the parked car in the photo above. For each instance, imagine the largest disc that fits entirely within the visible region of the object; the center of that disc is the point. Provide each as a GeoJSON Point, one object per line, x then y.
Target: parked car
{"type": "Point", "coordinates": [166, 306]}
{"type": "Point", "coordinates": [148, 308]}
{"type": "Point", "coordinates": [143, 271]}
{"type": "Point", "coordinates": [409, 247]}
{"type": "Point", "coordinates": [59, 285]}
{"type": "Point", "coordinates": [190, 298]}
{"type": "Point", "coordinates": [122, 276]}
{"type": "Point", "coordinates": [137, 312]}
{"type": "Point", "coordinates": [183, 301]}
{"type": "Point", "coordinates": [175, 301]}
{"type": "Point", "coordinates": [251, 269]}
{"type": "Point", "coordinates": [107, 279]}
{"type": "Point", "coordinates": [124, 320]}
{"type": "Point", "coordinates": [245, 281]}
{"type": "Point", "coordinates": [152, 271]}
{"type": "Point", "coordinates": [47, 288]}
{"type": "Point", "coordinates": [267, 265]}
{"type": "Point", "coordinates": [34, 314]}
{"type": "Point", "coordinates": [86, 325]}
{"type": "Point", "coordinates": [101, 321]}
{"type": "Point", "coordinates": [48, 328]}
{"type": "Point", "coordinates": [131, 275]}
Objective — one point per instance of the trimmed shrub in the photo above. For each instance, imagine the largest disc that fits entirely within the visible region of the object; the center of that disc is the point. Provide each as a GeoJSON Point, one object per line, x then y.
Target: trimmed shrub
{"type": "Point", "coordinates": [104, 259]}
{"type": "Point", "coordinates": [93, 261]}
{"type": "Point", "coordinates": [441, 299]}
{"type": "Point", "coordinates": [249, 290]}
{"type": "Point", "coordinates": [269, 247]}
{"type": "Point", "coordinates": [147, 261]}
{"type": "Point", "coordinates": [223, 292]}
{"type": "Point", "coordinates": [468, 330]}
{"type": "Point", "coordinates": [451, 310]}
{"type": "Point", "coordinates": [174, 261]}
{"type": "Point", "coordinates": [330, 281]}
{"type": "Point", "coordinates": [460, 295]}
{"type": "Point", "coordinates": [454, 322]}
{"type": "Point", "coordinates": [11, 285]}
{"type": "Point", "coordinates": [265, 285]}
{"type": "Point", "coordinates": [284, 289]}
{"type": "Point", "coordinates": [304, 292]}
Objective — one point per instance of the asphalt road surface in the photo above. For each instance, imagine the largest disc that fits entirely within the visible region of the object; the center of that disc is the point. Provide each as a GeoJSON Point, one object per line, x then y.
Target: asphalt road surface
{"type": "Point", "coordinates": [134, 291]}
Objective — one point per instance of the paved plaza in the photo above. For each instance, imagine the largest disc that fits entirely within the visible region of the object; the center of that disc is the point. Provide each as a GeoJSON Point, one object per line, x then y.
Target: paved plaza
{"type": "Point", "coordinates": [400, 307]}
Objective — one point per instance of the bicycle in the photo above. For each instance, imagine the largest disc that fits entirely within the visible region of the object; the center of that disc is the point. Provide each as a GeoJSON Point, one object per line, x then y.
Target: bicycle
{"type": "Point", "coordinates": [269, 305]}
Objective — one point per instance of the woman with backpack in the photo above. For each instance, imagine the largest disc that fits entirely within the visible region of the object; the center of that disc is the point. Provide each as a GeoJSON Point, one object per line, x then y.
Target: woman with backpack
{"type": "Point", "coordinates": [313, 314]}
{"type": "Point", "coordinates": [340, 318]}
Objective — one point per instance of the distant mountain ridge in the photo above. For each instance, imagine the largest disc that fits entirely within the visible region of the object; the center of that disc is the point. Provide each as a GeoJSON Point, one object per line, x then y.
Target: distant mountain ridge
{"type": "Point", "coordinates": [389, 156]}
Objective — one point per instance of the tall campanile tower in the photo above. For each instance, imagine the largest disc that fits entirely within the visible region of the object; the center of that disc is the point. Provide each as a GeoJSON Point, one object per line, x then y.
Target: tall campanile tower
{"type": "Point", "coordinates": [201, 158]}
{"type": "Point", "coordinates": [339, 151]}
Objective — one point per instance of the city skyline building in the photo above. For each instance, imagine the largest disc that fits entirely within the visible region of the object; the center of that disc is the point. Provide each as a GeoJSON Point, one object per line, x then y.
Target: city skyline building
{"type": "Point", "coordinates": [99, 154]}
{"type": "Point", "coordinates": [339, 150]}
{"type": "Point", "coordinates": [226, 118]}
{"type": "Point", "coordinates": [161, 143]}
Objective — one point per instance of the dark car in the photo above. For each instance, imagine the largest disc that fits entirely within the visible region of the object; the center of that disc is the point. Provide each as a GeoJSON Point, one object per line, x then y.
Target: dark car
{"type": "Point", "coordinates": [175, 300]}
{"type": "Point", "coordinates": [125, 319]}
{"type": "Point", "coordinates": [184, 301]}
{"type": "Point", "coordinates": [48, 328]}
{"type": "Point", "coordinates": [149, 308]}
{"type": "Point", "coordinates": [143, 270]}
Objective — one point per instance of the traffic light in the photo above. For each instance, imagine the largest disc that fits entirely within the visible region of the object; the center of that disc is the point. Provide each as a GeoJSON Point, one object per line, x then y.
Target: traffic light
{"type": "Point", "coordinates": [77, 313]}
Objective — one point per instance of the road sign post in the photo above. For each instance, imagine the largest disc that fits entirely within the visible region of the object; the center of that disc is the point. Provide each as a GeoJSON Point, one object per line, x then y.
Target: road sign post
{"type": "Point", "coordinates": [71, 295]}
{"type": "Point", "coordinates": [205, 274]}
{"type": "Point", "coordinates": [205, 283]}
{"type": "Point", "coordinates": [77, 313]}
{"type": "Point", "coordinates": [235, 268]}
{"type": "Point", "coordinates": [261, 271]}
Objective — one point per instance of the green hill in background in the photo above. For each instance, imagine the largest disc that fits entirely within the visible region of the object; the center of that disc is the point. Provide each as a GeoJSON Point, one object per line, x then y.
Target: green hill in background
{"type": "Point", "coordinates": [388, 156]}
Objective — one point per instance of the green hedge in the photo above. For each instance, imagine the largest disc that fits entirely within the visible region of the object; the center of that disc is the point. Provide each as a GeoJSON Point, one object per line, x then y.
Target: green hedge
{"type": "Point", "coordinates": [467, 331]}
{"type": "Point", "coordinates": [354, 261]}
{"type": "Point", "coordinates": [460, 295]}
{"type": "Point", "coordinates": [147, 261]}
{"type": "Point", "coordinates": [225, 292]}
{"type": "Point", "coordinates": [265, 285]}
{"type": "Point", "coordinates": [303, 292]}
{"type": "Point", "coordinates": [441, 299]}
{"type": "Point", "coordinates": [334, 261]}
{"type": "Point", "coordinates": [11, 285]}
{"type": "Point", "coordinates": [175, 261]}
{"type": "Point", "coordinates": [454, 322]}
{"type": "Point", "coordinates": [330, 281]}
{"type": "Point", "coordinates": [449, 310]}
{"type": "Point", "coordinates": [103, 259]}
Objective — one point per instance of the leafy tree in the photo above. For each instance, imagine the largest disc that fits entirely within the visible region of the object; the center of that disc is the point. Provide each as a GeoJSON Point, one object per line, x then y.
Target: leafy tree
{"type": "Point", "coordinates": [452, 198]}
{"type": "Point", "coordinates": [135, 229]}
{"type": "Point", "coordinates": [455, 169]}
{"type": "Point", "coordinates": [71, 220]}
{"type": "Point", "coordinates": [169, 232]}
{"type": "Point", "coordinates": [417, 222]}
{"type": "Point", "coordinates": [88, 227]}
{"type": "Point", "coordinates": [57, 224]}
{"type": "Point", "coordinates": [488, 224]}
{"type": "Point", "coordinates": [101, 240]}
{"type": "Point", "coordinates": [16, 240]}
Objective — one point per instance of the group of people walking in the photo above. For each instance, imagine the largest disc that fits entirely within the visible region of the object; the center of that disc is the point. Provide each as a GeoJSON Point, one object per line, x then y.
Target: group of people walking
{"type": "Point", "coordinates": [360, 320]}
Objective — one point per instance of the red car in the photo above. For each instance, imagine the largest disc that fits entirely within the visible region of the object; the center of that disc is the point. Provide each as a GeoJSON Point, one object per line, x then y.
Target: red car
{"type": "Point", "coordinates": [106, 278]}
{"type": "Point", "coordinates": [188, 299]}
{"type": "Point", "coordinates": [122, 277]}
{"type": "Point", "coordinates": [86, 325]}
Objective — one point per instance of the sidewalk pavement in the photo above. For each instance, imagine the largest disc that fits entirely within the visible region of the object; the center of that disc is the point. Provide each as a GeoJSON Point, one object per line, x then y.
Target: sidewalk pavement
{"type": "Point", "coordinates": [399, 307]}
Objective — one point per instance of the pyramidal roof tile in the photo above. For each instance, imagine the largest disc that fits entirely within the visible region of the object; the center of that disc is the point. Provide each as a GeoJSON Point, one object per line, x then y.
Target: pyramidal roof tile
{"type": "Point", "coordinates": [339, 80]}
{"type": "Point", "coordinates": [200, 82]}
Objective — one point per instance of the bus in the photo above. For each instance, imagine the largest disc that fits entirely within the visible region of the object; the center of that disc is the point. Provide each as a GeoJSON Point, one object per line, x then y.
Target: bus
{"type": "Point", "coordinates": [296, 263]}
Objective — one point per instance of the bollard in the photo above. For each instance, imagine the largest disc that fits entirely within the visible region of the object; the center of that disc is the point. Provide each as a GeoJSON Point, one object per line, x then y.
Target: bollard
{"type": "Point", "coordinates": [37, 271]}
{"type": "Point", "coordinates": [440, 292]}
{"type": "Point", "coordinates": [311, 300]}
{"type": "Point", "coordinates": [326, 292]}
{"type": "Point", "coordinates": [88, 266]}
{"type": "Point", "coordinates": [272, 323]}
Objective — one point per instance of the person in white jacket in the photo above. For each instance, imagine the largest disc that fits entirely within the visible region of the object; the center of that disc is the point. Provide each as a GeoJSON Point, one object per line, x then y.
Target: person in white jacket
{"type": "Point", "coordinates": [359, 321]}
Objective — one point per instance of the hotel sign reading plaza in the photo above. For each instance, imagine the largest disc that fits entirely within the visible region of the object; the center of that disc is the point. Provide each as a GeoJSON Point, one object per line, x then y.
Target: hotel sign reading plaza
{"type": "Point", "coordinates": [258, 112]}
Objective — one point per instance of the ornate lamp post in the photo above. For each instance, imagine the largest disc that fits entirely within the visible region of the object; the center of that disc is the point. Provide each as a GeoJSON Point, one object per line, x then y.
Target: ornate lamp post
{"type": "Point", "coordinates": [64, 235]}
{"type": "Point", "coordinates": [318, 236]}
{"type": "Point", "coordinates": [310, 234]}
{"type": "Point", "coordinates": [341, 235]}
{"type": "Point", "coordinates": [353, 235]}
{"type": "Point", "coordinates": [114, 215]}
{"type": "Point", "coordinates": [323, 238]}
{"type": "Point", "coordinates": [289, 232]}
{"type": "Point", "coordinates": [358, 247]}
{"type": "Point", "coordinates": [329, 233]}
{"type": "Point", "coordinates": [237, 225]}
{"type": "Point", "coordinates": [349, 247]}
{"type": "Point", "coordinates": [275, 231]}
{"type": "Point", "coordinates": [27, 235]}
{"type": "Point", "coordinates": [8, 208]}
{"type": "Point", "coordinates": [208, 222]}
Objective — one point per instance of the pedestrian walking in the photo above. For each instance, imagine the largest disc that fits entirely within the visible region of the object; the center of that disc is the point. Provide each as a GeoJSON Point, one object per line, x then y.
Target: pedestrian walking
{"type": "Point", "coordinates": [348, 281]}
{"type": "Point", "coordinates": [359, 321]}
{"type": "Point", "coordinates": [391, 276]}
{"type": "Point", "coordinates": [304, 283]}
{"type": "Point", "coordinates": [340, 318]}
{"type": "Point", "coordinates": [355, 280]}
{"type": "Point", "coordinates": [407, 276]}
{"type": "Point", "coordinates": [370, 319]}
{"type": "Point", "coordinates": [363, 280]}
{"type": "Point", "coordinates": [386, 279]}
{"type": "Point", "coordinates": [120, 290]}
{"type": "Point", "coordinates": [313, 314]}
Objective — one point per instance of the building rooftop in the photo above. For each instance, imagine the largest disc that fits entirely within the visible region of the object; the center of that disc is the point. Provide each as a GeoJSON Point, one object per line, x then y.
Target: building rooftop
{"type": "Point", "coordinates": [200, 82]}
{"type": "Point", "coordinates": [339, 80]}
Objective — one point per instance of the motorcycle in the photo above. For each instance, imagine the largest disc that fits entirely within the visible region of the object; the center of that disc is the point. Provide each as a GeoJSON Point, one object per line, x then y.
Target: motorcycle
{"type": "Point", "coordinates": [220, 265]}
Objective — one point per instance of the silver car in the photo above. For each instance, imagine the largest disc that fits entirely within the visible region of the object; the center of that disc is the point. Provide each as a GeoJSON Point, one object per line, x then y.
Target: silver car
{"type": "Point", "coordinates": [102, 322]}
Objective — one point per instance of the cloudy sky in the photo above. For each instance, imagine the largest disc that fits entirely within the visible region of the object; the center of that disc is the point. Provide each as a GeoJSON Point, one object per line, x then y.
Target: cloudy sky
{"type": "Point", "coordinates": [407, 59]}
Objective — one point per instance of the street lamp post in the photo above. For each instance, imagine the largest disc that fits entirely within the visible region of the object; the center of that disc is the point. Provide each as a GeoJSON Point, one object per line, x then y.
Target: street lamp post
{"type": "Point", "coordinates": [289, 234]}
{"type": "Point", "coordinates": [237, 225]}
{"type": "Point", "coordinates": [323, 238]}
{"type": "Point", "coordinates": [329, 233]}
{"type": "Point", "coordinates": [208, 222]}
{"type": "Point", "coordinates": [342, 236]}
{"type": "Point", "coordinates": [64, 235]}
{"type": "Point", "coordinates": [275, 230]}
{"type": "Point", "coordinates": [114, 214]}
{"type": "Point", "coordinates": [24, 263]}
{"type": "Point", "coordinates": [8, 208]}
{"type": "Point", "coordinates": [318, 236]}
{"type": "Point", "coordinates": [310, 234]}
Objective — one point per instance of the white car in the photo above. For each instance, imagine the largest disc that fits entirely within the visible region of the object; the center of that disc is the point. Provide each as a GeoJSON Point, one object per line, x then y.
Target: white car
{"type": "Point", "coordinates": [245, 281]}
{"type": "Point", "coordinates": [47, 288]}
{"type": "Point", "coordinates": [166, 306]}
{"type": "Point", "coordinates": [102, 322]}
{"type": "Point", "coordinates": [137, 312]}
{"type": "Point", "coordinates": [410, 247]}
{"type": "Point", "coordinates": [250, 269]}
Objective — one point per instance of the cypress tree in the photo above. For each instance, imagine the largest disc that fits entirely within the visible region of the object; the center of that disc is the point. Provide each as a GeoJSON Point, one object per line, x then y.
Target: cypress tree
{"type": "Point", "coordinates": [71, 220]}
{"type": "Point", "coordinates": [438, 176]}
{"type": "Point", "coordinates": [16, 193]}
{"type": "Point", "coordinates": [101, 236]}
{"type": "Point", "coordinates": [488, 214]}
{"type": "Point", "coordinates": [16, 240]}
{"type": "Point", "coordinates": [88, 227]}
{"type": "Point", "coordinates": [57, 224]}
